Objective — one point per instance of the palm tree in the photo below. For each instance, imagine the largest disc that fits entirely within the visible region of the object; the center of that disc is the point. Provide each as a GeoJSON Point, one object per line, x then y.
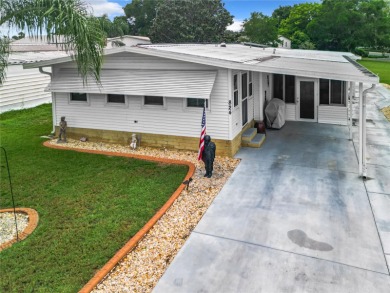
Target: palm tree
{"type": "Point", "coordinates": [79, 31]}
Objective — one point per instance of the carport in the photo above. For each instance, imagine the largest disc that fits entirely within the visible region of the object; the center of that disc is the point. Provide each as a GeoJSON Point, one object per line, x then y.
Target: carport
{"type": "Point", "coordinates": [294, 217]}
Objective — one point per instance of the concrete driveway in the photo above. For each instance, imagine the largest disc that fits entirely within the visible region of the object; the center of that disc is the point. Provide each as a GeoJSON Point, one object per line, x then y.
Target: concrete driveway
{"type": "Point", "coordinates": [295, 217]}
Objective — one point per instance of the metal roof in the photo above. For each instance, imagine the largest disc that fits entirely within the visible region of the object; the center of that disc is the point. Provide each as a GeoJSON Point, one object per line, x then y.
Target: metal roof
{"type": "Point", "coordinates": [19, 58]}
{"type": "Point", "coordinates": [306, 63]}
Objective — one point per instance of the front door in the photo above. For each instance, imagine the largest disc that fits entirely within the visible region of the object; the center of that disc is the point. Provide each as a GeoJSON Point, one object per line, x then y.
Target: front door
{"type": "Point", "coordinates": [306, 100]}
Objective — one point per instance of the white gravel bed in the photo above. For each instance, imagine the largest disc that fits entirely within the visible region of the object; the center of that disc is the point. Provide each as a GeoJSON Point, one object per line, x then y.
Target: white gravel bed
{"type": "Point", "coordinates": [7, 225]}
{"type": "Point", "coordinates": [141, 269]}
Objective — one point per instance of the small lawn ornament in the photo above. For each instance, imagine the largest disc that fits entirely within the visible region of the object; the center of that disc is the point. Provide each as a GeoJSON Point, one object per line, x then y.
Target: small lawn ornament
{"type": "Point", "coordinates": [208, 155]}
{"type": "Point", "coordinates": [63, 126]}
{"type": "Point", "coordinates": [133, 143]}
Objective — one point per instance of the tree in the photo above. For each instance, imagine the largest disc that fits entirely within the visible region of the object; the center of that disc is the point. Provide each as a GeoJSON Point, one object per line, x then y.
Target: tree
{"type": "Point", "coordinates": [261, 29]}
{"type": "Point", "coordinates": [376, 32]}
{"type": "Point", "coordinates": [344, 25]}
{"type": "Point", "coordinates": [231, 36]}
{"type": "Point", "coordinates": [66, 18]}
{"type": "Point", "coordinates": [141, 14]}
{"type": "Point", "coordinates": [190, 21]}
{"type": "Point", "coordinates": [281, 13]}
{"type": "Point", "coordinates": [296, 23]}
{"type": "Point", "coordinates": [20, 35]}
{"type": "Point", "coordinates": [116, 28]}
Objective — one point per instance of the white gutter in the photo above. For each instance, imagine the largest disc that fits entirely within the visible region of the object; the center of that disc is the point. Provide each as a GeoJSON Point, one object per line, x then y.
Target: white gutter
{"type": "Point", "coordinates": [53, 101]}
{"type": "Point", "coordinates": [363, 129]}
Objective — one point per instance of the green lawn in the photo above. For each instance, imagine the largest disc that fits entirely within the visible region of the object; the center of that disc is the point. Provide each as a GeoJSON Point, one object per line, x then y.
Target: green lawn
{"type": "Point", "coordinates": [380, 68]}
{"type": "Point", "coordinates": [88, 205]}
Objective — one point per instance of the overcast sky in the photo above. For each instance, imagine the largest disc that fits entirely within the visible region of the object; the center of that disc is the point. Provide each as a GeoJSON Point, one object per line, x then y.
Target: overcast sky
{"type": "Point", "coordinates": [241, 9]}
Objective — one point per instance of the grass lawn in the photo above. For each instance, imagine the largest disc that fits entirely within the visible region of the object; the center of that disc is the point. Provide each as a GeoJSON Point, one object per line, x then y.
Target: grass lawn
{"type": "Point", "coordinates": [380, 68]}
{"type": "Point", "coordinates": [89, 205]}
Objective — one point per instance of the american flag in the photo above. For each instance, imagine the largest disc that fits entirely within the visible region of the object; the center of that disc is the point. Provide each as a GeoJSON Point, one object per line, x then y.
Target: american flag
{"type": "Point", "coordinates": [202, 134]}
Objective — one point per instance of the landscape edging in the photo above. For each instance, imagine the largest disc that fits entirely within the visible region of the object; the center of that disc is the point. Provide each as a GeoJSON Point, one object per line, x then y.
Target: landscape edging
{"type": "Point", "coordinates": [33, 219]}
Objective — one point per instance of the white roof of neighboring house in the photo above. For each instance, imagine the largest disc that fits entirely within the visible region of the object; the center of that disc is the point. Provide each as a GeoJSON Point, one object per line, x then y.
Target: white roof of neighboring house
{"type": "Point", "coordinates": [40, 44]}
{"type": "Point", "coordinates": [284, 38]}
{"type": "Point", "coordinates": [306, 63]}
{"type": "Point", "coordinates": [141, 38]}
{"type": "Point", "coordinates": [32, 57]}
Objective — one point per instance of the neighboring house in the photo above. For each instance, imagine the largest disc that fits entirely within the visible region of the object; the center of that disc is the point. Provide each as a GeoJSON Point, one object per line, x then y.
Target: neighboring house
{"type": "Point", "coordinates": [127, 40]}
{"type": "Point", "coordinates": [158, 92]}
{"type": "Point", "coordinates": [284, 42]}
{"type": "Point", "coordinates": [25, 88]}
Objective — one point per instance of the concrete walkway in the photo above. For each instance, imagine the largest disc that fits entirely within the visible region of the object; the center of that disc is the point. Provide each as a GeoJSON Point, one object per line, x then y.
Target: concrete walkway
{"type": "Point", "coordinates": [295, 217]}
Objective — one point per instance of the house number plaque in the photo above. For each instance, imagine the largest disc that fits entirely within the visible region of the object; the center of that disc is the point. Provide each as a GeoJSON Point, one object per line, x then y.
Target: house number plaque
{"type": "Point", "coordinates": [230, 107]}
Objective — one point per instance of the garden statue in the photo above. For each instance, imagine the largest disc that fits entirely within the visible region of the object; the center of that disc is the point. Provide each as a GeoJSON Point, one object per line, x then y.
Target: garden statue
{"type": "Point", "coordinates": [208, 155]}
{"type": "Point", "coordinates": [133, 143]}
{"type": "Point", "coordinates": [62, 135]}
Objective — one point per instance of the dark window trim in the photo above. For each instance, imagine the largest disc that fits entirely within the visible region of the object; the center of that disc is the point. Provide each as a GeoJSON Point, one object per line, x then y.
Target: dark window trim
{"type": "Point", "coordinates": [154, 105]}
{"type": "Point", "coordinates": [80, 102]}
{"type": "Point", "coordinates": [115, 103]}
{"type": "Point", "coordinates": [197, 107]}
{"type": "Point", "coordinates": [235, 90]}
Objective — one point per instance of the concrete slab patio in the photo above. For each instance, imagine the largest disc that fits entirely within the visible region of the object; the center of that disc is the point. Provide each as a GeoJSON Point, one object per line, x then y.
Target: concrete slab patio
{"type": "Point", "coordinates": [295, 217]}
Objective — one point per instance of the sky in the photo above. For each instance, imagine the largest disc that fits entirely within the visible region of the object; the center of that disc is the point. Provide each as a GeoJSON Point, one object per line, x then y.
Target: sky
{"type": "Point", "coordinates": [240, 9]}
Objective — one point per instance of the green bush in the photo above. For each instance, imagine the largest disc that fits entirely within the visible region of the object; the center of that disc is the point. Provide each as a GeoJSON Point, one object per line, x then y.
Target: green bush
{"type": "Point", "coordinates": [360, 52]}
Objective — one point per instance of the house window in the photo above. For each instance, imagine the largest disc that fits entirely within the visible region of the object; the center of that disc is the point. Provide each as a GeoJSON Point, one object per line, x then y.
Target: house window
{"type": "Point", "coordinates": [235, 90]}
{"type": "Point", "coordinates": [278, 86]}
{"type": "Point", "coordinates": [154, 100]}
{"type": "Point", "coordinates": [332, 92]}
{"type": "Point", "coordinates": [337, 89]}
{"type": "Point", "coordinates": [78, 97]}
{"type": "Point", "coordinates": [117, 99]}
{"type": "Point", "coordinates": [250, 84]}
{"type": "Point", "coordinates": [284, 88]}
{"type": "Point", "coordinates": [197, 103]}
{"type": "Point", "coordinates": [289, 89]}
{"type": "Point", "coordinates": [244, 85]}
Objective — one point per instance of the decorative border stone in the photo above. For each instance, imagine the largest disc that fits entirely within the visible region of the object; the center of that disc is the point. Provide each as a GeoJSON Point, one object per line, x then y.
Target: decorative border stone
{"type": "Point", "coordinates": [132, 243]}
{"type": "Point", "coordinates": [33, 219]}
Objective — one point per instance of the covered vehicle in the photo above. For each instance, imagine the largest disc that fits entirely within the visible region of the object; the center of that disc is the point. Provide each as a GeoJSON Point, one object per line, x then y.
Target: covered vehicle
{"type": "Point", "coordinates": [275, 113]}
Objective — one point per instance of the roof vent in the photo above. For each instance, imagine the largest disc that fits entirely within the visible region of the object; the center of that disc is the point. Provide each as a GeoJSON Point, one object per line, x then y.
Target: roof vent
{"type": "Point", "coordinates": [223, 45]}
{"type": "Point", "coordinates": [274, 51]}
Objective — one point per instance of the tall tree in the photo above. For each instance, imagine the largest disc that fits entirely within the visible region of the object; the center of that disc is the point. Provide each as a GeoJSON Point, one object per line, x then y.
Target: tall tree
{"type": "Point", "coordinates": [295, 25]}
{"type": "Point", "coordinates": [344, 25]}
{"type": "Point", "coordinates": [118, 27]}
{"type": "Point", "coordinates": [190, 21]}
{"type": "Point", "coordinates": [261, 29]}
{"type": "Point", "coordinates": [81, 33]}
{"type": "Point", "coordinates": [141, 14]}
{"type": "Point", "coordinates": [281, 13]}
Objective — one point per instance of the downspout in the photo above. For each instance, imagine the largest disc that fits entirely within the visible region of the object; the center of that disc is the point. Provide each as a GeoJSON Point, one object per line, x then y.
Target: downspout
{"type": "Point", "coordinates": [53, 101]}
{"type": "Point", "coordinates": [364, 130]}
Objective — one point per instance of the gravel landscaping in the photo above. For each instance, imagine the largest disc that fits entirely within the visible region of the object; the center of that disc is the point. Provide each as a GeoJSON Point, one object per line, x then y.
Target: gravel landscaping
{"type": "Point", "coordinates": [7, 225]}
{"type": "Point", "coordinates": [141, 269]}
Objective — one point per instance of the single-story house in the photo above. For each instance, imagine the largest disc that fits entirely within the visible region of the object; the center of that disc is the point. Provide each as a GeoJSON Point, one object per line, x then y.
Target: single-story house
{"type": "Point", "coordinates": [158, 91]}
{"type": "Point", "coordinates": [284, 42]}
{"type": "Point", "coordinates": [25, 88]}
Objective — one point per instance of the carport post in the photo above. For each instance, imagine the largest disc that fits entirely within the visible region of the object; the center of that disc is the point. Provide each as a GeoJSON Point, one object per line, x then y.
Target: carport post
{"type": "Point", "coordinates": [361, 125]}
{"type": "Point", "coordinates": [351, 95]}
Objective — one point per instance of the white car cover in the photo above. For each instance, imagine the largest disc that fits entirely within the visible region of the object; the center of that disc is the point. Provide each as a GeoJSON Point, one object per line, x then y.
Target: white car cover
{"type": "Point", "coordinates": [275, 113]}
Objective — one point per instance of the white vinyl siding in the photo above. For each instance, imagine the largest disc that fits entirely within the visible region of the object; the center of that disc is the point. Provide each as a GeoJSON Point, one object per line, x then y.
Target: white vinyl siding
{"type": "Point", "coordinates": [332, 115]}
{"type": "Point", "coordinates": [173, 120]}
{"type": "Point", "coordinates": [291, 112]}
{"type": "Point", "coordinates": [23, 88]}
